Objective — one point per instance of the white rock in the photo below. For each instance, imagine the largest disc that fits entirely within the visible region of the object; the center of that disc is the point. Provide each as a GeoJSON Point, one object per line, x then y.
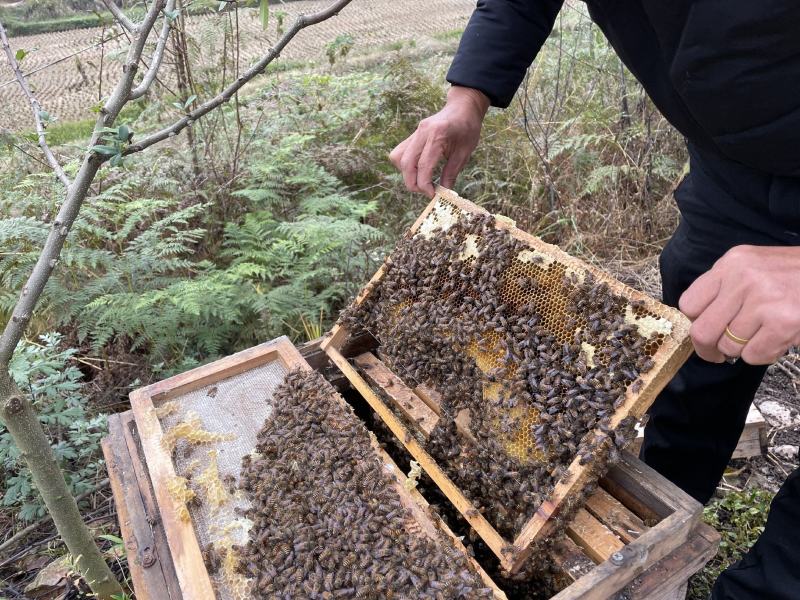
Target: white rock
{"type": "Point", "coordinates": [786, 452]}
{"type": "Point", "coordinates": [778, 415]}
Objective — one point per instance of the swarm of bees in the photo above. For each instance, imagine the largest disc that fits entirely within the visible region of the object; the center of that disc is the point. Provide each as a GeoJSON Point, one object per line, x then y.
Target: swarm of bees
{"type": "Point", "coordinates": [328, 521]}
{"type": "Point", "coordinates": [541, 355]}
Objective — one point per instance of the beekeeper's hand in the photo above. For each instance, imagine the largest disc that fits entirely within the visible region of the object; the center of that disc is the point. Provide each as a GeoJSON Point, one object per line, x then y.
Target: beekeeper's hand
{"type": "Point", "coordinates": [747, 305]}
{"type": "Point", "coordinates": [450, 135]}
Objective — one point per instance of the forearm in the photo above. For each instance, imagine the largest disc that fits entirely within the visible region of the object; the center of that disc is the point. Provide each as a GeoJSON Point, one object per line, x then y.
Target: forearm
{"type": "Point", "coordinates": [499, 44]}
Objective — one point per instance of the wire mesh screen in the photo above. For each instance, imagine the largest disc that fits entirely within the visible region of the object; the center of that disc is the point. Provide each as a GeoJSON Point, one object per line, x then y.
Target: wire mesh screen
{"type": "Point", "coordinates": [209, 431]}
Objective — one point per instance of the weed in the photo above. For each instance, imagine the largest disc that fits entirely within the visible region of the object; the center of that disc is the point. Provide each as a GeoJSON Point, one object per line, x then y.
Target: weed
{"type": "Point", "coordinates": [740, 517]}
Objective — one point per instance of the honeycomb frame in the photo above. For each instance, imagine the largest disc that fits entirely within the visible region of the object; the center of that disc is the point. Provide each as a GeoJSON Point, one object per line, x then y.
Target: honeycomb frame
{"type": "Point", "coordinates": [672, 348]}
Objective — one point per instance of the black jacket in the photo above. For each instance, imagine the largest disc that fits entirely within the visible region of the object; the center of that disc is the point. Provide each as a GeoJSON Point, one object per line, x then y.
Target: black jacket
{"type": "Point", "coordinates": [726, 73]}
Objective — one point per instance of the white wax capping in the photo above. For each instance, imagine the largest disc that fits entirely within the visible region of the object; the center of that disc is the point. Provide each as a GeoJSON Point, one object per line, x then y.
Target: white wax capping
{"type": "Point", "coordinates": [470, 247]}
{"type": "Point", "coordinates": [648, 325]}
{"type": "Point", "coordinates": [537, 258]}
{"type": "Point", "coordinates": [588, 350]}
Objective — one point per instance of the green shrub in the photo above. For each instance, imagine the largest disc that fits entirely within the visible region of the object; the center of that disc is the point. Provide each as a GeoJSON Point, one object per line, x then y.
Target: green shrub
{"type": "Point", "coordinates": [45, 371]}
{"type": "Point", "coordinates": [143, 265]}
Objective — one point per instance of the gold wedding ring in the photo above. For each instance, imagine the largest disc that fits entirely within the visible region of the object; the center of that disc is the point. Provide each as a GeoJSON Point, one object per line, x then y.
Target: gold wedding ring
{"type": "Point", "coordinates": [735, 338]}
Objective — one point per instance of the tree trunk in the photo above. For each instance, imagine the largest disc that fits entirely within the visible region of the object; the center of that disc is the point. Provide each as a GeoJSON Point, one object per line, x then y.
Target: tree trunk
{"type": "Point", "coordinates": [17, 414]}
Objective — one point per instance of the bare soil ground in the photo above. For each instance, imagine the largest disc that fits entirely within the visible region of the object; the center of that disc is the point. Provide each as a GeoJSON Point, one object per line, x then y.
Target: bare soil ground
{"type": "Point", "coordinates": [69, 87]}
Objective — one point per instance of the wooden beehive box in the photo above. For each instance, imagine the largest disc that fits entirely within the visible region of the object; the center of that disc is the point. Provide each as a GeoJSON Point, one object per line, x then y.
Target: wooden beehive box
{"type": "Point", "coordinates": [651, 524]}
{"type": "Point", "coordinates": [229, 401]}
{"type": "Point", "coordinates": [412, 408]}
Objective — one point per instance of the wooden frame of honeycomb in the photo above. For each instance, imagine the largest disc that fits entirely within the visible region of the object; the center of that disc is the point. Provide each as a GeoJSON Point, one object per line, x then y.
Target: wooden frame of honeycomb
{"type": "Point", "coordinates": [669, 348]}
{"type": "Point", "coordinates": [181, 536]}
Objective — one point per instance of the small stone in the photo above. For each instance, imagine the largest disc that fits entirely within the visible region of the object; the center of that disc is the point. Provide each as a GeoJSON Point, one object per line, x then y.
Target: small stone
{"type": "Point", "coordinates": [778, 415]}
{"type": "Point", "coordinates": [787, 452]}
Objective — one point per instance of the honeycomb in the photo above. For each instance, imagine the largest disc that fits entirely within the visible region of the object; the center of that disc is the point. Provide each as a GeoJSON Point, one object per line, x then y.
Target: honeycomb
{"type": "Point", "coordinates": [209, 480]}
{"type": "Point", "coordinates": [541, 351]}
{"type": "Point", "coordinates": [178, 488]}
{"type": "Point", "coordinates": [191, 430]}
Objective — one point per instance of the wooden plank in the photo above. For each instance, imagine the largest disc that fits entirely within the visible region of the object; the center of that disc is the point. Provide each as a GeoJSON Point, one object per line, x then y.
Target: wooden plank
{"type": "Point", "coordinates": [570, 559]}
{"type": "Point", "coordinates": [401, 397]}
{"type": "Point", "coordinates": [665, 580]}
{"type": "Point", "coordinates": [152, 572]}
{"type": "Point", "coordinates": [678, 514]}
{"type": "Point", "coordinates": [145, 485]}
{"type": "Point", "coordinates": [183, 544]}
{"type": "Point", "coordinates": [675, 349]}
{"type": "Point", "coordinates": [430, 397]}
{"type": "Point", "coordinates": [613, 514]}
{"type": "Point", "coordinates": [597, 540]}
{"type": "Point", "coordinates": [753, 441]}
{"type": "Point", "coordinates": [610, 576]}
{"type": "Point", "coordinates": [278, 349]}
{"type": "Point", "coordinates": [645, 492]}
{"type": "Point", "coordinates": [492, 538]}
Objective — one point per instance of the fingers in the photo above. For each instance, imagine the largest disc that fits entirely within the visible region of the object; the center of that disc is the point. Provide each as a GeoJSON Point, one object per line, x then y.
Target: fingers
{"type": "Point", "coordinates": [700, 294]}
{"type": "Point", "coordinates": [410, 160]}
{"type": "Point", "coordinates": [428, 160]}
{"type": "Point", "coordinates": [708, 328]}
{"type": "Point", "coordinates": [397, 154]}
{"type": "Point", "coordinates": [744, 325]}
{"type": "Point", "coordinates": [764, 348]}
{"type": "Point", "coordinates": [451, 170]}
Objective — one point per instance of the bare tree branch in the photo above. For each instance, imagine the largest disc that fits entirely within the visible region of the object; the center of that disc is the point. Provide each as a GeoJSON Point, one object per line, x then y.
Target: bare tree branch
{"type": "Point", "coordinates": [76, 192]}
{"type": "Point", "coordinates": [158, 55]}
{"type": "Point", "coordinates": [300, 23]}
{"type": "Point", "coordinates": [121, 93]}
{"type": "Point", "coordinates": [35, 107]}
{"type": "Point", "coordinates": [16, 410]}
{"type": "Point", "coordinates": [120, 16]}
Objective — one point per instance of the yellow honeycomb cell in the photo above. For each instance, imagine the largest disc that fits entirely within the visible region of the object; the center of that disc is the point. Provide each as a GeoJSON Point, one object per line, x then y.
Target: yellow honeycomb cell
{"type": "Point", "coordinates": [519, 443]}
{"type": "Point", "coordinates": [527, 282]}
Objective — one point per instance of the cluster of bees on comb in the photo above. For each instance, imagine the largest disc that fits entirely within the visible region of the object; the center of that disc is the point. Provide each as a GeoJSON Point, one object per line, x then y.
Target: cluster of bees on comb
{"type": "Point", "coordinates": [327, 519]}
{"type": "Point", "coordinates": [536, 353]}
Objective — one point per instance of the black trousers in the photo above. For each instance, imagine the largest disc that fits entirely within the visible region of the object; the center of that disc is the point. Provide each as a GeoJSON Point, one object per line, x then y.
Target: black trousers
{"type": "Point", "coordinates": [695, 423]}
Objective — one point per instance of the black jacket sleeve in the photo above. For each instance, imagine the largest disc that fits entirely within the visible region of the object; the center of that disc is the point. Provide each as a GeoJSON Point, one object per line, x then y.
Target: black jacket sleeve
{"type": "Point", "coordinates": [500, 42]}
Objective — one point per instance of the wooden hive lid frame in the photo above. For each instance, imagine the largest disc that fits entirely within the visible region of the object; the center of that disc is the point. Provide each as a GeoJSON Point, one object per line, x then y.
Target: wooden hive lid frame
{"type": "Point", "coordinates": [181, 536]}
{"type": "Point", "coordinates": [669, 357]}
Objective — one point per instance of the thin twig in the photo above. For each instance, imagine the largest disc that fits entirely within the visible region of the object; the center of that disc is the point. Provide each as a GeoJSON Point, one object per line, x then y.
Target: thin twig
{"type": "Point", "coordinates": [36, 108]}
{"type": "Point", "coordinates": [76, 193]}
{"type": "Point", "coordinates": [158, 55]}
{"type": "Point", "coordinates": [63, 58]}
{"type": "Point", "coordinates": [120, 16]}
{"type": "Point", "coordinates": [785, 369]}
{"type": "Point", "coordinates": [300, 23]}
{"type": "Point", "coordinates": [47, 518]}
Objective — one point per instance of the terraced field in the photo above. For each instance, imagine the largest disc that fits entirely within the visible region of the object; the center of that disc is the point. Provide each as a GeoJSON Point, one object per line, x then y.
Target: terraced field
{"type": "Point", "coordinates": [68, 88]}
